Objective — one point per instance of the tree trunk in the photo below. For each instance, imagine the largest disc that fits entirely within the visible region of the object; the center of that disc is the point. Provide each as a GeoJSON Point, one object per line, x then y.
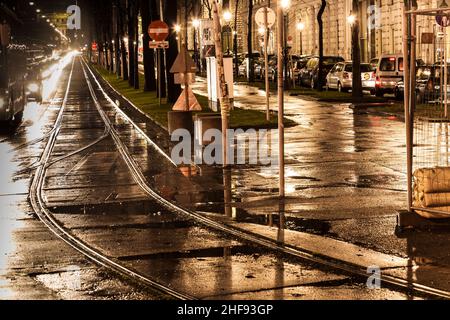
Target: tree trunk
{"type": "Point", "coordinates": [117, 38]}
{"type": "Point", "coordinates": [136, 43]}
{"type": "Point", "coordinates": [148, 8]}
{"type": "Point", "coordinates": [356, 53]}
{"type": "Point", "coordinates": [235, 39]}
{"type": "Point", "coordinates": [251, 75]}
{"type": "Point", "coordinates": [320, 22]}
{"type": "Point", "coordinates": [174, 90]}
{"type": "Point", "coordinates": [225, 105]}
{"type": "Point", "coordinates": [131, 45]}
{"type": "Point", "coordinates": [122, 21]}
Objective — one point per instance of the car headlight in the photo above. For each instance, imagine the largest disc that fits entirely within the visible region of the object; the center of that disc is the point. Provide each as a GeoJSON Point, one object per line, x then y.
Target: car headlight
{"type": "Point", "coordinates": [33, 87]}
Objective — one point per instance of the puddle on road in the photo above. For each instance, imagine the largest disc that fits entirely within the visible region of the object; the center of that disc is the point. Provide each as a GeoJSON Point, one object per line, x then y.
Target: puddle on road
{"type": "Point", "coordinates": [201, 253]}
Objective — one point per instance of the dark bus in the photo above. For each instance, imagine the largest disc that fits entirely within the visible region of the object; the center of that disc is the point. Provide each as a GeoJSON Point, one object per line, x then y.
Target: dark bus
{"type": "Point", "coordinates": [13, 69]}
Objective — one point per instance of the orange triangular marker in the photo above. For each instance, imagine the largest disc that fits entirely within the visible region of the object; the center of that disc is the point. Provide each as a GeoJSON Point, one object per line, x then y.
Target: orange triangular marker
{"type": "Point", "coordinates": [183, 59]}
{"type": "Point", "coordinates": [180, 105]}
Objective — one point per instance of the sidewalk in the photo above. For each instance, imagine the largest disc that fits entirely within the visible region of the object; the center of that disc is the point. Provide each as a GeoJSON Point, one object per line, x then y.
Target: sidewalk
{"type": "Point", "coordinates": [345, 180]}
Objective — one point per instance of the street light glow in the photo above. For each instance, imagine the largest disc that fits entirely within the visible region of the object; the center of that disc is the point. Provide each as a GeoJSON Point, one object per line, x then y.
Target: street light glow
{"type": "Point", "coordinates": [285, 4]}
{"type": "Point", "coordinates": [196, 23]}
{"type": "Point", "coordinates": [177, 28]}
{"type": "Point", "coordinates": [261, 30]}
{"type": "Point", "coordinates": [351, 19]}
{"type": "Point", "coordinates": [227, 16]}
{"type": "Point", "coordinates": [300, 26]}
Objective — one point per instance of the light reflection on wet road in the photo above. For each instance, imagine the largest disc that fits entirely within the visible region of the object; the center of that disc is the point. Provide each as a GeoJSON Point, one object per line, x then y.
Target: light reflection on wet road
{"type": "Point", "coordinates": [334, 157]}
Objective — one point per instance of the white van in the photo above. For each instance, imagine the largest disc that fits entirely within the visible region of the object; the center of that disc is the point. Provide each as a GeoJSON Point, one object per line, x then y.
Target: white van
{"type": "Point", "coordinates": [389, 73]}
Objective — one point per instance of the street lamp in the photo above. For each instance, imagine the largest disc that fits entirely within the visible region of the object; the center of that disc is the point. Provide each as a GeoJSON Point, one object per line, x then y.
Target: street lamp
{"type": "Point", "coordinates": [300, 28]}
{"type": "Point", "coordinates": [351, 19]}
{"type": "Point", "coordinates": [285, 4]}
{"type": "Point", "coordinates": [196, 25]}
{"type": "Point", "coordinates": [227, 17]}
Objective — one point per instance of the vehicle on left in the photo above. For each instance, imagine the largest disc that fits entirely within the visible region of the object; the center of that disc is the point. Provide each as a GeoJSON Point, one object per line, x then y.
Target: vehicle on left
{"type": "Point", "coordinates": [13, 72]}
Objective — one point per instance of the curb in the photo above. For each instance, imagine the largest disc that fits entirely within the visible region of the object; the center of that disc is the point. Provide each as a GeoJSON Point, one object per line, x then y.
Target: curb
{"type": "Point", "coordinates": [131, 104]}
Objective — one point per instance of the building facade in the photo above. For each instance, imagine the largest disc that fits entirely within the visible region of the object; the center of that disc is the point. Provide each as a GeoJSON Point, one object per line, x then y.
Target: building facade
{"type": "Point", "coordinates": [380, 23]}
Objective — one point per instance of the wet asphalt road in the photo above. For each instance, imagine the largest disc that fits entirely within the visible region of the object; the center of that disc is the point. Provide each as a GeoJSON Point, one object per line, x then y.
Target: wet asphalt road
{"type": "Point", "coordinates": [346, 177]}
{"type": "Point", "coordinates": [92, 195]}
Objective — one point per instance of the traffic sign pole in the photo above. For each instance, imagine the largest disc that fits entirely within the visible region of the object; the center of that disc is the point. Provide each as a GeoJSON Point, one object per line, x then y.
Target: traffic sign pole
{"type": "Point", "coordinates": [266, 62]}
{"type": "Point", "coordinates": [158, 32]}
{"type": "Point", "coordinates": [265, 18]}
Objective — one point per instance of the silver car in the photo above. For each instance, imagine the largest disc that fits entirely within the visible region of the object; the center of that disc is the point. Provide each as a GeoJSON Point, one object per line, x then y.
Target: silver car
{"type": "Point", "coordinates": [341, 78]}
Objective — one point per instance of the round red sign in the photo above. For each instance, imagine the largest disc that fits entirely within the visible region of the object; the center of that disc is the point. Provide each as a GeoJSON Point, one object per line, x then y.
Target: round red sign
{"type": "Point", "coordinates": [158, 30]}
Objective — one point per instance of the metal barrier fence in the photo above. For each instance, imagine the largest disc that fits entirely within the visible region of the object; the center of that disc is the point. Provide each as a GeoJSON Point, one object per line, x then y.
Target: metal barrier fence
{"type": "Point", "coordinates": [427, 117]}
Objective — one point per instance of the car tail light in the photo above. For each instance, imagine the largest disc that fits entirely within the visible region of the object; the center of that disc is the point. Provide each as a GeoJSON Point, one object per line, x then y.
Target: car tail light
{"type": "Point", "coordinates": [378, 82]}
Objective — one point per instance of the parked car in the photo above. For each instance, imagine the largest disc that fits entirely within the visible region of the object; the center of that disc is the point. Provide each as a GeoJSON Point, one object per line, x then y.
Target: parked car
{"type": "Point", "coordinates": [389, 73]}
{"type": "Point", "coordinates": [374, 63]}
{"type": "Point", "coordinates": [299, 65]}
{"type": "Point", "coordinates": [341, 77]}
{"type": "Point", "coordinates": [309, 76]}
{"type": "Point", "coordinates": [256, 67]}
{"type": "Point", "coordinates": [428, 82]}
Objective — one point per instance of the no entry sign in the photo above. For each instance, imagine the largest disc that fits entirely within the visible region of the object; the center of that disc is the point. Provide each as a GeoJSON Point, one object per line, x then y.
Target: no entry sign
{"type": "Point", "coordinates": [158, 30]}
{"type": "Point", "coordinates": [260, 20]}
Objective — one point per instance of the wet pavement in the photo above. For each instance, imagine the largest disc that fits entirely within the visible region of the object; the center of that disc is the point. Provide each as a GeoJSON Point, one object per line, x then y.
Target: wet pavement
{"type": "Point", "coordinates": [34, 263]}
{"type": "Point", "coordinates": [334, 157]}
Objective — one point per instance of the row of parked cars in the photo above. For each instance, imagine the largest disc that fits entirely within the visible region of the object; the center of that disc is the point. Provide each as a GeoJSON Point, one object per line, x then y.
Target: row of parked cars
{"type": "Point", "coordinates": [383, 75]}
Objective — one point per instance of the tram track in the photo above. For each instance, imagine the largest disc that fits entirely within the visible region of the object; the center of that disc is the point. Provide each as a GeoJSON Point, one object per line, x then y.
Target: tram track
{"type": "Point", "coordinates": [38, 204]}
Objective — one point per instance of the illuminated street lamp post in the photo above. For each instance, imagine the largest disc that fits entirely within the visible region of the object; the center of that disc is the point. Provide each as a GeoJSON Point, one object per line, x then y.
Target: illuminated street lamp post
{"type": "Point", "coordinates": [300, 28]}
{"type": "Point", "coordinates": [177, 29]}
{"type": "Point", "coordinates": [281, 7]}
{"type": "Point", "coordinates": [196, 25]}
{"type": "Point", "coordinates": [227, 17]}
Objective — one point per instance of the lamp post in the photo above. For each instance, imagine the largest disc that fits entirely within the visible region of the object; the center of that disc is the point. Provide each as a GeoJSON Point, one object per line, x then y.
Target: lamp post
{"type": "Point", "coordinates": [281, 7]}
{"type": "Point", "coordinates": [196, 25]}
{"type": "Point", "coordinates": [235, 39]}
{"type": "Point", "coordinates": [300, 28]}
{"type": "Point", "coordinates": [177, 29]}
{"type": "Point", "coordinates": [227, 17]}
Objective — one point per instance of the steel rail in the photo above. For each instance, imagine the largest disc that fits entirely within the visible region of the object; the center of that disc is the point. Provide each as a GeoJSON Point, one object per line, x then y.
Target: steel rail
{"type": "Point", "coordinates": [140, 179]}
{"type": "Point", "coordinates": [53, 225]}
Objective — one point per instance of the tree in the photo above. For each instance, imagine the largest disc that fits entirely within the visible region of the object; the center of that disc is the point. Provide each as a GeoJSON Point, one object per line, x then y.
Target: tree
{"type": "Point", "coordinates": [235, 39]}
{"type": "Point", "coordinates": [148, 10]}
{"type": "Point", "coordinates": [174, 90]}
{"type": "Point", "coordinates": [320, 22]}
{"type": "Point", "coordinates": [356, 53]}
{"type": "Point", "coordinates": [208, 7]}
{"type": "Point", "coordinates": [132, 10]}
{"type": "Point", "coordinates": [117, 37]}
{"type": "Point", "coordinates": [251, 76]}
